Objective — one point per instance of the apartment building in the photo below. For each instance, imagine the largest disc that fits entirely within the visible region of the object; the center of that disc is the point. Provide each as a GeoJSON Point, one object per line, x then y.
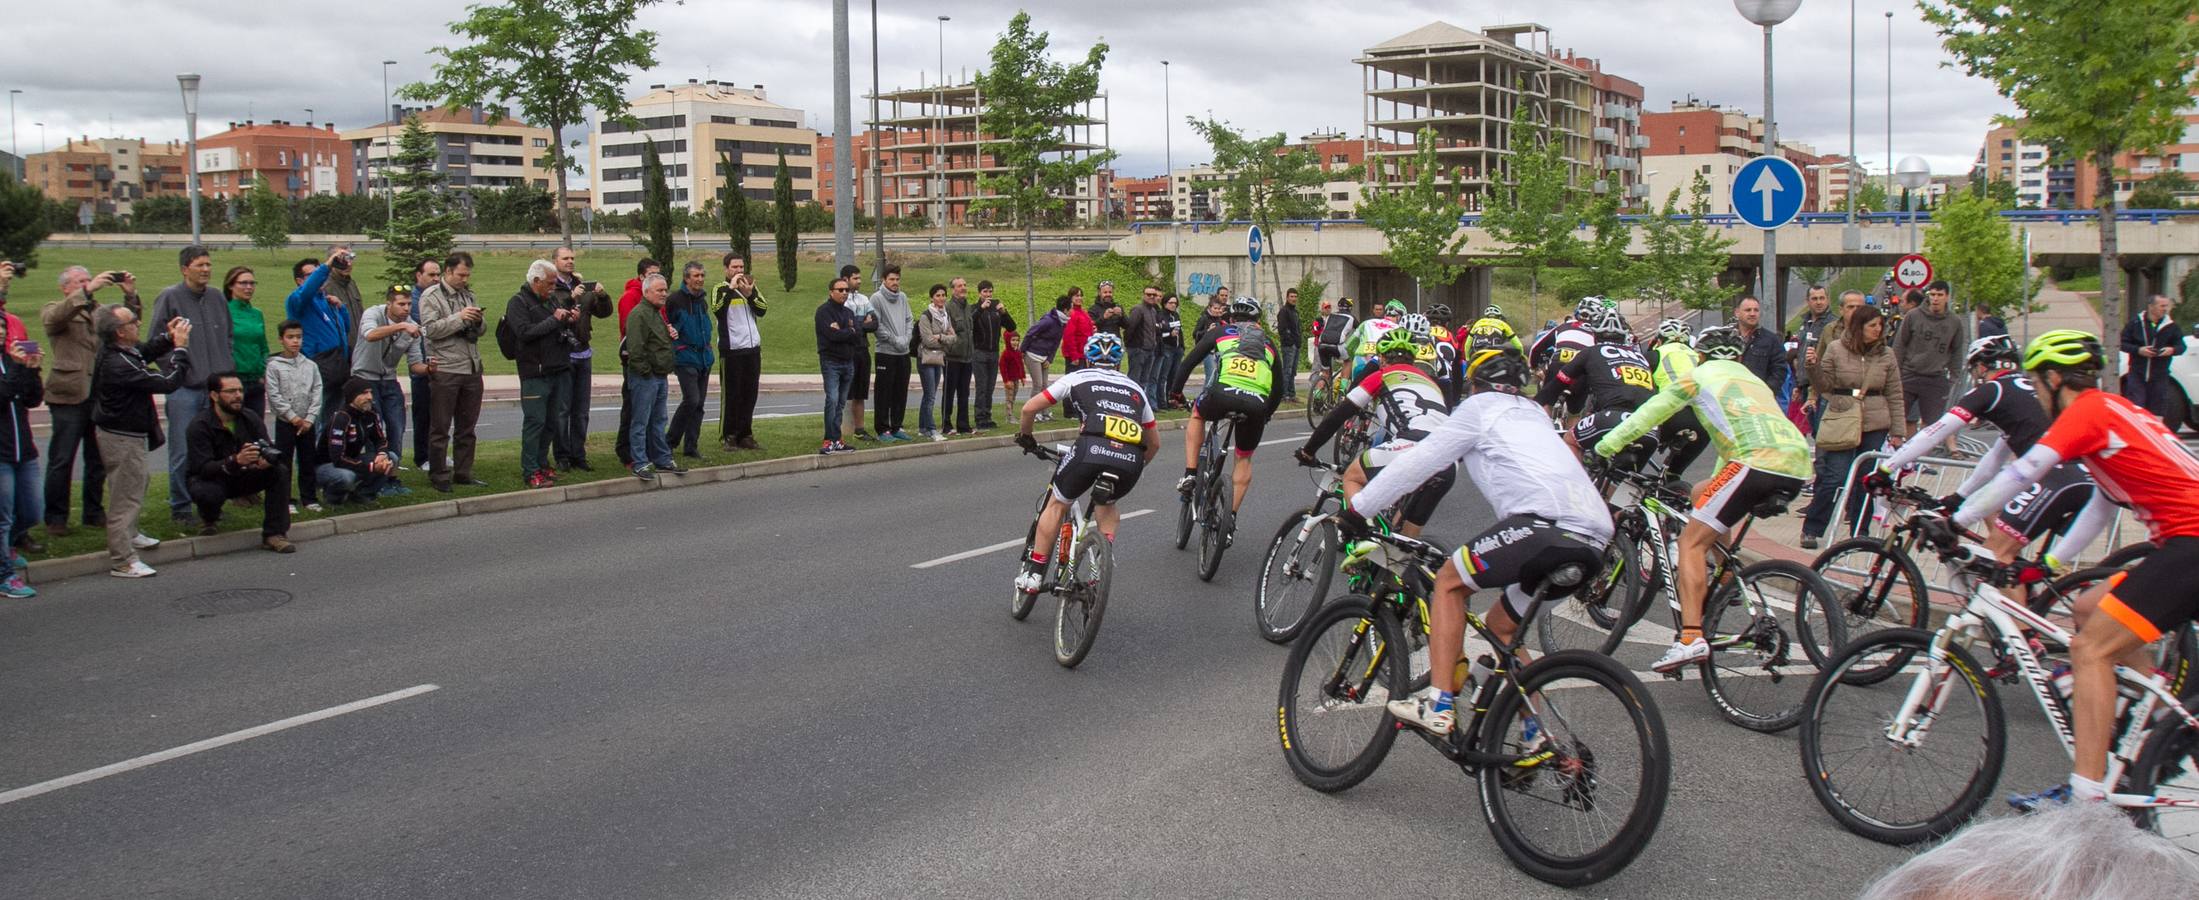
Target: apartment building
{"type": "Point", "coordinates": [927, 155]}
{"type": "Point", "coordinates": [297, 160]}
{"type": "Point", "coordinates": [109, 173]}
{"type": "Point", "coordinates": [473, 149]}
{"type": "Point", "coordinates": [696, 127]}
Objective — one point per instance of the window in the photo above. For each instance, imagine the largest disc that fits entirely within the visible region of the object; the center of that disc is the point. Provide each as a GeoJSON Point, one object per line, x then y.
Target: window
{"type": "Point", "coordinates": [1683, 131]}
{"type": "Point", "coordinates": [774, 123]}
{"type": "Point", "coordinates": [2007, 142]}
{"type": "Point", "coordinates": [122, 167]}
{"type": "Point", "coordinates": [636, 148]}
{"type": "Point", "coordinates": [1706, 168]}
{"type": "Point", "coordinates": [649, 123]}
{"type": "Point", "coordinates": [1340, 159]}
{"type": "Point", "coordinates": [542, 142]}
{"type": "Point", "coordinates": [1340, 196]}
{"type": "Point", "coordinates": [767, 148]}
{"type": "Point", "coordinates": [542, 184]}
{"type": "Point", "coordinates": [455, 159]}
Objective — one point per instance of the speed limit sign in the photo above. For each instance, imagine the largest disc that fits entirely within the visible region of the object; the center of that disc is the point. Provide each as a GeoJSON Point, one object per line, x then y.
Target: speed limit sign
{"type": "Point", "coordinates": [1912, 272]}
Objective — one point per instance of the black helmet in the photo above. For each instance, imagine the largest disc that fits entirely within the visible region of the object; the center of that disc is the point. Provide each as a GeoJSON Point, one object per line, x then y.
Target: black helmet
{"type": "Point", "coordinates": [1244, 309]}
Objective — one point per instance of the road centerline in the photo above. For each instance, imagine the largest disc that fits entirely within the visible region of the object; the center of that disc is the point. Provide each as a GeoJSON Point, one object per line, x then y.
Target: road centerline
{"type": "Point", "coordinates": [994, 548]}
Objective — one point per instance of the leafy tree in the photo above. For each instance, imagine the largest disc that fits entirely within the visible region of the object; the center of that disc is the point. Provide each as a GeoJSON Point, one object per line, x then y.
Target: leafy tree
{"type": "Point", "coordinates": [266, 216]}
{"type": "Point", "coordinates": [422, 226]}
{"type": "Point", "coordinates": [25, 219]}
{"type": "Point", "coordinates": [164, 214]}
{"type": "Point", "coordinates": [337, 213]}
{"type": "Point", "coordinates": [1601, 264]}
{"type": "Point", "coordinates": [1996, 190]}
{"type": "Point", "coordinates": [2096, 80]}
{"type": "Point", "coordinates": [2159, 192]}
{"type": "Point", "coordinates": [1972, 248]}
{"type": "Point", "coordinates": [1420, 219]}
{"type": "Point", "coordinates": [1310, 291]}
{"type": "Point", "coordinates": [1265, 179]}
{"type": "Point", "coordinates": [1030, 99]}
{"type": "Point", "coordinates": [550, 59]}
{"type": "Point", "coordinates": [656, 206]}
{"type": "Point", "coordinates": [787, 237]}
{"type": "Point", "coordinates": [1685, 255]}
{"type": "Point", "coordinates": [519, 209]}
{"type": "Point", "coordinates": [1533, 210]}
{"type": "Point", "coordinates": [1870, 196]}
{"type": "Point", "coordinates": [733, 208]}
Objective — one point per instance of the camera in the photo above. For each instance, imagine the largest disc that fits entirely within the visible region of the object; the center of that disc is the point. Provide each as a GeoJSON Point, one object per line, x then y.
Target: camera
{"type": "Point", "coordinates": [267, 449]}
{"type": "Point", "coordinates": [15, 267]}
{"type": "Point", "coordinates": [343, 260]}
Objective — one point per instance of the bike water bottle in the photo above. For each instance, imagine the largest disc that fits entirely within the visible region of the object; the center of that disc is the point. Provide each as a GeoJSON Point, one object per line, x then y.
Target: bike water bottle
{"type": "Point", "coordinates": [2064, 682]}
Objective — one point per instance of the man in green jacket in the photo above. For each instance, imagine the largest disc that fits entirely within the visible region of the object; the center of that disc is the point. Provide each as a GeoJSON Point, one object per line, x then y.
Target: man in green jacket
{"type": "Point", "coordinates": [650, 357]}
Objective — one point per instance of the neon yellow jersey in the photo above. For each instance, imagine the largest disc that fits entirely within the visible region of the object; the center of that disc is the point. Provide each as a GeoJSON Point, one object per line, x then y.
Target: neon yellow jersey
{"type": "Point", "coordinates": [1673, 358]}
{"type": "Point", "coordinates": [1242, 369]}
{"type": "Point", "coordinates": [1745, 421]}
{"type": "Point", "coordinates": [1489, 325]}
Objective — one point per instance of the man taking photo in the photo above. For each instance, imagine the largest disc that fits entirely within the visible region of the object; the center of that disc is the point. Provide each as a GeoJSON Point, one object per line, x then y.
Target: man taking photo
{"type": "Point", "coordinates": [231, 456]}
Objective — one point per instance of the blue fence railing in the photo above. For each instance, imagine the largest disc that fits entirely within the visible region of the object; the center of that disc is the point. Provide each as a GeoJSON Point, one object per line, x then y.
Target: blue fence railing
{"type": "Point", "coordinates": [1728, 220]}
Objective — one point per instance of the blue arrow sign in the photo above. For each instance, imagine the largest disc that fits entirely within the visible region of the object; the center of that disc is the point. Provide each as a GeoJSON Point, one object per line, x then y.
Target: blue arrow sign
{"type": "Point", "coordinates": [1252, 244]}
{"type": "Point", "coordinates": [1768, 192]}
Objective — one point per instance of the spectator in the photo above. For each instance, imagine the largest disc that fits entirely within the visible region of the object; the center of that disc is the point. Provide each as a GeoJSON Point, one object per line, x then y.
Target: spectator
{"type": "Point", "coordinates": [1039, 343]}
{"type": "Point", "coordinates": [626, 303]}
{"type": "Point", "coordinates": [294, 396]}
{"type": "Point", "coordinates": [248, 341]}
{"type": "Point", "coordinates": [358, 463]}
{"type": "Point", "coordinates": [544, 332]}
{"type": "Point", "coordinates": [1856, 371]}
{"type": "Point", "coordinates": [1289, 340]}
{"type": "Point", "coordinates": [1988, 324]}
{"type": "Point", "coordinates": [1078, 329]}
{"type": "Point", "coordinates": [345, 290]}
{"type": "Point", "coordinates": [453, 324]}
{"type": "Point", "coordinates": [839, 339]}
{"type": "Point", "coordinates": [1817, 315]}
{"type": "Point", "coordinates": [327, 322]}
{"type": "Point", "coordinates": [650, 358]}
{"type": "Point", "coordinates": [1215, 316]}
{"type": "Point", "coordinates": [21, 491]}
{"type": "Point", "coordinates": [1765, 352]}
{"type": "Point", "coordinates": [740, 308]}
{"type": "Point", "coordinates": [588, 302]}
{"type": "Point", "coordinates": [856, 423]}
{"type": "Point", "coordinates": [956, 394]}
{"type": "Point", "coordinates": [424, 274]}
{"type": "Point", "coordinates": [1171, 349]}
{"type": "Point", "coordinates": [896, 330]}
{"type": "Point", "coordinates": [1107, 315]}
{"type": "Point", "coordinates": [689, 308]}
{"type": "Point", "coordinates": [2075, 851]}
{"type": "Point", "coordinates": [123, 386]}
{"type": "Point", "coordinates": [389, 343]}
{"type": "Point", "coordinates": [934, 332]}
{"type": "Point", "coordinates": [1141, 333]}
{"type": "Point", "coordinates": [1850, 301]}
{"type": "Point", "coordinates": [196, 299]}
{"type": "Point", "coordinates": [2149, 341]}
{"type": "Point", "coordinates": [230, 457]}
{"type": "Point", "coordinates": [989, 325]}
{"type": "Point", "coordinates": [1011, 364]}
{"type": "Point", "coordinates": [1929, 347]}
{"type": "Point", "coordinates": [75, 345]}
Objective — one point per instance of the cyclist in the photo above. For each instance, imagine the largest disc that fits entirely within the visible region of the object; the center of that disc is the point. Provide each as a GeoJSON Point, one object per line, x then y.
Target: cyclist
{"type": "Point", "coordinates": [1407, 405]}
{"type": "Point", "coordinates": [1763, 462]}
{"type": "Point", "coordinates": [2137, 462]}
{"type": "Point", "coordinates": [2063, 503]}
{"type": "Point", "coordinates": [1330, 335]}
{"type": "Point", "coordinates": [1548, 516]}
{"type": "Point", "coordinates": [1117, 437]}
{"type": "Point", "coordinates": [1492, 322]}
{"type": "Point", "coordinates": [1683, 434]}
{"type": "Point", "coordinates": [1361, 346]}
{"type": "Point", "coordinates": [1557, 346]}
{"type": "Point", "coordinates": [1250, 385]}
{"type": "Point", "coordinates": [1608, 381]}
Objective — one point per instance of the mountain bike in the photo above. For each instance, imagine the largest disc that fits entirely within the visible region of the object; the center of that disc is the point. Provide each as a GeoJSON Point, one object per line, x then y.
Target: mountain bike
{"type": "Point", "coordinates": [1327, 388]}
{"type": "Point", "coordinates": [1353, 439]}
{"type": "Point", "coordinates": [1079, 572]}
{"type": "Point", "coordinates": [1568, 752]}
{"type": "Point", "coordinates": [1301, 559]}
{"type": "Point", "coordinates": [1911, 758]}
{"type": "Point", "coordinates": [1586, 619]}
{"type": "Point", "coordinates": [1207, 507]}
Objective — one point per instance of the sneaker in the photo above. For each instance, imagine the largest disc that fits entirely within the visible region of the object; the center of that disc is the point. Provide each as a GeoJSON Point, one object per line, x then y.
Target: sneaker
{"type": "Point", "coordinates": [902, 436]}
{"type": "Point", "coordinates": [842, 447]}
{"type": "Point", "coordinates": [535, 480]}
{"type": "Point", "coordinates": [1681, 656]}
{"type": "Point", "coordinates": [645, 472]}
{"type": "Point", "coordinates": [144, 542]}
{"type": "Point", "coordinates": [1810, 541]}
{"type": "Point", "coordinates": [16, 560]}
{"type": "Point", "coordinates": [673, 467]}
{"type": "Point", "coordinates": [748, 443]}
{"type": "Point", "coordinates": [863, 434]}
{"type": "Point", "coordinates": [1419, 711]}
{"type": "Point", "coordinates": [1809, 488]}
{"type": "Point", "coordinates": [1032, 579]}
{"type": "Point", "coordinates": [276, 543]}
{"type": "Point", "coordinates": [825, 449]}
{"type": "Point", "coordinates": [939, 438]}
{"type": "Point", "coordinates": [15, 588]}
{"type": "Point", "coordinates": [293, 509]}
{"type": "Point", "coordinates": [315, 507]}
{"type": "Point", "coordinates": [2058, 795]}
{"type": "Point", "coordinates": [393, 489]}
{"type": "Point", "coordinates": [30, 543]}
{"type": "Point", "coordinates": [136, 569]}
{"type": "Point", "coordinates": [209, 529]}
{"type": "Point", "coordinates": [1184, 485]}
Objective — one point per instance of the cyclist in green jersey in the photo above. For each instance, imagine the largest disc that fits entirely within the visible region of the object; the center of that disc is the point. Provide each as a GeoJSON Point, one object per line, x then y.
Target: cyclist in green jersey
{"type": "Point", "coordinates": [1763, 461]}
{"type": "Point", "coordinates": [1682, 436]}
{"type": "Point", "coordinates": [1250, 385]}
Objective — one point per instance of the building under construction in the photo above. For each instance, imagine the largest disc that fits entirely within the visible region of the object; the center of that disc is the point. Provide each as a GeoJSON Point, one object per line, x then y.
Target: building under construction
{"type": "Point", "coordinates": [926, 154]}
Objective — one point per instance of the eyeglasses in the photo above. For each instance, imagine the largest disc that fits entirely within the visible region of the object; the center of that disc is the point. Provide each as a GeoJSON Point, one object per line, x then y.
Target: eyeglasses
{"type": "Point", "coordinates": [839, 290]}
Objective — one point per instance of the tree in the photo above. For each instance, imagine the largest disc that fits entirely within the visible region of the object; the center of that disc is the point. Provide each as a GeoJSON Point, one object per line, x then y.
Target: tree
{"type": "Point", "coordinates": [550, 59]}
{"type": "Point", "coordinates": [266, 216]}
{"type": "Point", "coordinates": [1602, 266]}
{"type": "Point", "coordinates": [1310, 291]}
{"type": "Point", "coordinates": [733, 209]}
{"type": "Point", "coordinates": [1029, 100]}
{"type": "Point", "coordinates": [164, 214]}
{"type": "Point", "coordinates": [2096, 80]}
{"type": "Point", "coordinates": [656, 206]}
{"type": "Point", "coordinates": [26, 219]}
{"type": "Point", "coordinates": [421, 228]}
{"type": "Point", "coordinates": [519, 209]}
{"type": "Point", "coordinates": [2159, 192]}
{"type": "Point", "coordinates": [1419, 219]}
{"type": "Point", "coordinates": [1970, 246]}
{"type": "Point", "coordinates": [1686, 256]}
{"type": "Point", "coordinates": [1870, 197]}
{"type": "Point", "coordinates": [1265, 179]}
{"type": "Point", "coordinates": [1533, 209]}
{"type": "Point", "coordinates": [1996, 190]}
{"type": "Point", "coordinates": [787, 237]}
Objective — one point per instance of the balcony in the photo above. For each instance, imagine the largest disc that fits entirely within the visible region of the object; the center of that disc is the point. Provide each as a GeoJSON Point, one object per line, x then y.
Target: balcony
{"type": "Point", "coordinates": [1606, 135]}
{"type": "Point", "coordinates": [1638, 142]}
{"type": "Point", "coordinates": [103, 173]}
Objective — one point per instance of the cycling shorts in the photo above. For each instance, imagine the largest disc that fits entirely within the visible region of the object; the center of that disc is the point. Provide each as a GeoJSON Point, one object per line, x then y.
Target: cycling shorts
{"type": "Point", "coordinates": [1328, 354]}
{"type": "Point", "coordinates": [1517, 553]}
{"type": "Point", "coordinates": [2156, 595]}
{"type": "Point", "coordinates": [1217, 403]}
{"type": "Point", "coordinates": [1419, 506]}
{"type": "Point", "coordinates": [1090, 458]}
{"type": "Point", "coordinates": [2048, 507]}
{"type": "Point", "coordinates": [1590, 428]}
{"type": "Point", "coordinates": [1736, 492]}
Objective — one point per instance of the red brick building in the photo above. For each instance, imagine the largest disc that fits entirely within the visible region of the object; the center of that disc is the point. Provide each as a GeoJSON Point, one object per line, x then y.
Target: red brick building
{"type": "Point", "coordinates": [298, 160]}
{"type": "Point", "coordinates": [1143, 199]}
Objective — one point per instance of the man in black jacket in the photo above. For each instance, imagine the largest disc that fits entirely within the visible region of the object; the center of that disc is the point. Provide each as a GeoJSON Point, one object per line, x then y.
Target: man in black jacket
{"type": "Point", "coordinates": [588, 300]}
{"type": "Point", "coordinates": [839, 338]}
{"type": "Point", "coordinates": [123, 387]}
{"type": "Point", "coordinates": [229, 455]}
{"type": "Point", "coordinates": [2152, 340]}
{"type": "Point", "coordinates": [987, 322]}
{"type": "Point", "coordinates": [1290, 341]}
{"type": "Point", "coordinates": [1141, 332]}
{"type": "Point", "coordinates": [546, 342]}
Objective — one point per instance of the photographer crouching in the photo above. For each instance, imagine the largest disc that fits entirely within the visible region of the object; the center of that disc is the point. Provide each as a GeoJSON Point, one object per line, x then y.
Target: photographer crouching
{"type": "Point", "coordinates": [230, 455]}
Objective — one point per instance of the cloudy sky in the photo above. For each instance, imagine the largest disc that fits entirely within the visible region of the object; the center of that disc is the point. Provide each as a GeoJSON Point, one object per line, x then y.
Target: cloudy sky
{"type": "Point", "coordinates": [1274, 65]}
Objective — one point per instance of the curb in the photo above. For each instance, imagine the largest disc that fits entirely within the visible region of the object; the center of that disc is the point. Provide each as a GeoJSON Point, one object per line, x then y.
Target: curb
{"type": "Point", "coordinates": [210, 546]}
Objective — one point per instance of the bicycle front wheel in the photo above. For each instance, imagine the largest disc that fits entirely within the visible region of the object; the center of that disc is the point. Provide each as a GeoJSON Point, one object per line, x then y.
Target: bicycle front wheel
{"type": "Point", "coordinates": [1894, 780]}
{"type": "Point", "coordinates": [1874, 589]}
{"type": "Point", "coordinates": [1186, 515]}
{"type": "Point", "coordinates": [1083, 600]}
{"type": "Point", "coordinates": [1591, 618]}
{"type": "Point", "coordinates": [1295, 574]}
{"type": "Point", "coordinates": [2168, 767]}
{"type": "Point", "coordinates": [1586, 793]}
{"type": "Point", "coordinates": [1333, 713]}
{"type": "Point", "coordinates": [1762, 658]}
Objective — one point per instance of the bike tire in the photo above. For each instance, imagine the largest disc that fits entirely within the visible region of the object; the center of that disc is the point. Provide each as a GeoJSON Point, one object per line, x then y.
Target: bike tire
{"type": "Point", "coordinates": [2168, 763]}
{"type": "Point", "coordinates": [1020, 606]}
{"type": "Point", "coordinates": [1746, 679]}
{"type": "Point", "coordinates": [1629, 527]}
{"type": "Point", "coordinates": [1293, 584]}
{"type": "Point", "coordinates": [1587, 619]}
{"type": "Point", "coordinates": [2126, 554]}
{"type": "Point", "coordinates": [1213, 523]}
{"type": "Point", "coordinates": [1887, 591]}
{"type": "Point", "coordinates": [1826, 747]}
{"type": "Point", "coordinates": [1378, 662]}
{"type": "Point", "coordinates": [1077, 616]}
{"type": "Point", "coordinates": [1521, 844]}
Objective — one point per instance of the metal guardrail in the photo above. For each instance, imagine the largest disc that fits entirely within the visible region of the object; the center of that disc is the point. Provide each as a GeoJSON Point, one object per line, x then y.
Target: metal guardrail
{"type": "Point", "coordinates": [963, 243]}
{"type": "Point", "coordinates": [1729, 220]}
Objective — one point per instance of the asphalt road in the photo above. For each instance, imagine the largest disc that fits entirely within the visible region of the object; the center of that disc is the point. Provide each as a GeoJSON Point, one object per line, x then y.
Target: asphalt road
{"type": "Point", "coordinates": [747, 689]}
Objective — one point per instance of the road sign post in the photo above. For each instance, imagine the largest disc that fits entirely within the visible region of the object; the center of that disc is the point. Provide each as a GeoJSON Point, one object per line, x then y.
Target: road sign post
{"type": "Point", "coordinates": [1252, 252]}
{"type": "Point", "coordinates": [1768, 192]}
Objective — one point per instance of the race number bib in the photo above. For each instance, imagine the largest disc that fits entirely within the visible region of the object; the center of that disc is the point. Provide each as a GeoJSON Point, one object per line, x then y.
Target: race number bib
{"type": "Point", "coordinates": [1241, 367]}
{"type": "Point", "coordinates": [1635, 376]}
{"type": "Point", "coordinates": [1121, 430]}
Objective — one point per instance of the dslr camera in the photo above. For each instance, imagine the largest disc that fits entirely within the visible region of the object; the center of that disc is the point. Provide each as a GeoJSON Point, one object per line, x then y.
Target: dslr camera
{"type": "Point", "coordinates": [268, 450]}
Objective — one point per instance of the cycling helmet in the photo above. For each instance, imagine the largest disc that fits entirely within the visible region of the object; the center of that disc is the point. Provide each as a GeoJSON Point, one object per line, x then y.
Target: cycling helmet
{"type": "Point", "coordinates": [1492, 312]}
{"type": "Point", "coordinates": [1588, 309]}
{"type": "Point", "coordinates": [1720, 342]}
{"type": "Point", "coordinates": [1394, 308]}
{"type": "Point", "coordinates": [1998, 351]}
{"type": "Point", "coordinates": [1414, 323]}
{"type": "Point", "coordinates": [1608, 325]}
{"type": "Point", "coordinates": [1244, 309]}
{"type": "Point", "coordinates": [1103, 349]}
{"type": "Point", "coordinates": [2064, 348]}
{"type": "Point", "coordinates": [1488, 340]}
{"type": "Point", "coordinates": [1396, 341]}
{"type": "Point", "coordinates": [1497, 369]}
{"type": "Point", "coordinates": [1439, 311]}
{"type": "Point", "coordinates": [1673, 330]}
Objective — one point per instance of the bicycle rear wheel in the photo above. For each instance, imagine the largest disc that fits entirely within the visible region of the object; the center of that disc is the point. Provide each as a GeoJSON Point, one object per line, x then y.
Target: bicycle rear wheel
{"type": "Point", "coordinates": [1332, 714]}
{"type": "Point", "coordinates": [1295, 575]}
{"type": "Point", "coordinates": [1874, 589]}
{"type": "Point", "coordinates": [1213, 520]}
{"type": "Point", "coordinates": [1587, 619]}
{"type": "Point", "coordinates": [1925, 785]}
{"type": "Point", "coordinates": [2168, 767]}
{"type": "Point", "coordinates": [1583, 812]}
{"type": "Point", "coordinates": [1083, 599]}
{"type": "Point", "coordinates": [1761, 662]}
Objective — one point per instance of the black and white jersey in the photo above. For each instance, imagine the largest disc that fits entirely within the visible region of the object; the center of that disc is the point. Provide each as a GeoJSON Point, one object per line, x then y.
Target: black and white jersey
{"type": "Point", "coordinates": [1607, 376]}
{"type": "Point", "coordinates": [2008, 403]}
{"type": "Point", "coordinates": [1110, 406]}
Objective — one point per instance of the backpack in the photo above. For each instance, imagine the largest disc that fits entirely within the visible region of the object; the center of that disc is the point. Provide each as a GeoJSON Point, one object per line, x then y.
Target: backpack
{"type": "Point", "coordinates": [507, 338]}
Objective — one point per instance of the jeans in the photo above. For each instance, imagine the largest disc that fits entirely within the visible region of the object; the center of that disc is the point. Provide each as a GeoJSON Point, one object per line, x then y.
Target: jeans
{"type": "Point", "coordinates": [72, 428]}
{"type": "Point", "coordinates": [22, 498]}
{"type": "Point", "coordinates": [343, 485]}
{"type": "Point", "coordinates": [890, 398]}
{"type": "Point", "coordinates": [737, 393]}
{"type": "Point", "coordinates": [255, 398]}
{"type": "Point", "coordinates": [1926, 396]}
{"type": "Point", "coordinates": [985, 373]}
{"type": "Point", "coordinates": [450, 426]}
{"type": "Point", "coordinates": [569, 444]}
{"type": "Point", "coordinates": [1142, 364]}
{"type": "Point", "coordinates": [271, 483]}
{"type": "Point", "coordinates": [1287, 354]}
{"type": "Point", "coordinates": [2152, 396]}
{"type": "Point", "coordinates": [1164, 375]}
{"type": "Point", "coordinates": [839, 376]}
{"type": "Point", "coordinates": [183, 406]}
{"type": "Point", "coordinates": [645, 434]}
{"type": "Point", "coordinates": [423, 399]}
{"type": "Point", "coordinates": [1832, 467]}
{"type": "Point", "coordinates": [956, 396]}
{"type": "Point", "coordinates": [302, 452]}
{"type": "Point", "coordinates": [686, 428]}
{"type": "Point", "coordinates": [541, 411]}
{"type": "Point", "coordinates": [389, 403]}
{"type": "Point", "coordinates": [930, 376]}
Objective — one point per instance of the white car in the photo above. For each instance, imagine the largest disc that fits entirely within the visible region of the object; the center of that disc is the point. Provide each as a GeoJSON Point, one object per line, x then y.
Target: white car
{"type": "Point", "coordinates": [2184, 369]}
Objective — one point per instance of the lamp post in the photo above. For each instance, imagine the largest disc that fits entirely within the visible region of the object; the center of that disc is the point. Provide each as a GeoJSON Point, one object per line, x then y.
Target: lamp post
{"type": "Point", "coordinates": [190, 83]}
{"type": "Point", "coordinates": [1768, 13]}
{"type": "Point", "coordinates": [877, 172]}
{"type": "Point", "coordinates": [1889, 104]}
{"type": "Point", "coordinates": [41, 136]}
{"type": "Point", "coordinates": [939, 136]}
{"type": "Point", "coordinates": [389, 196]}
{"type": "Point", "coordinates": [311, 147]}
{"type": "Point", "coordinates": [1913, 174]}
{"type": "Point", "coordinates": [843, 144]}
{"type": "Point", "coordinates": [1168, 177]}
{"type": "Point", "coordinates": [12, 149]}
{"type": "Point", "coordinates": [1851, 236]}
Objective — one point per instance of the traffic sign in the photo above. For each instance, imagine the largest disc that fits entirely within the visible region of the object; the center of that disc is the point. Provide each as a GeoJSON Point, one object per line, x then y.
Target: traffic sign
{"type": "Point", "coordinates": [1912, 272]}
{"type": "Point", "coordinates": [1768, 192]}
{"type": "Point", "coordinates": [1252, 244]}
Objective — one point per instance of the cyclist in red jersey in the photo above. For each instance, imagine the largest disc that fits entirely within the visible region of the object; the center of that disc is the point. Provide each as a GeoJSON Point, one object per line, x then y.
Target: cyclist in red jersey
{"type": "Point", "coordinates": [2140, 464]}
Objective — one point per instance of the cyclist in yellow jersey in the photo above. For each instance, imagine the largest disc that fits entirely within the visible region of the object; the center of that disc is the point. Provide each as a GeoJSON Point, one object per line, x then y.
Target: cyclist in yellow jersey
{"type": "Point", "coordinates": [1250, 385]}
{"type": "Point", "coordinates": [1682, 435]}
{"type": "Point", "coordinates": [1763, 461]}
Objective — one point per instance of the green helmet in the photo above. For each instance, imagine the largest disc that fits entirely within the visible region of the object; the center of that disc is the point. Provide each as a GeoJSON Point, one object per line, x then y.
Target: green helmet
{"type": "Point", "coordinates": [2064, 348]}
{"type": "Point", "coordinates": [1394, 308]}
{"type": "Point", "coordinates": [1395, 340]}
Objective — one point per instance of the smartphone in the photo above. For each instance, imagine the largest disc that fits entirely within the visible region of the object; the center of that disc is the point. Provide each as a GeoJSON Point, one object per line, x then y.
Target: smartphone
{"type": "Point", "coordinates": [27, 348]}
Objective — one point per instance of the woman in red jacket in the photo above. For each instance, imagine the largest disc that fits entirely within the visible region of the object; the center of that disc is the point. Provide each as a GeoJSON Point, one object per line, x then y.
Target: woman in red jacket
{"type": "Point", "coordinates": [1074, 334]}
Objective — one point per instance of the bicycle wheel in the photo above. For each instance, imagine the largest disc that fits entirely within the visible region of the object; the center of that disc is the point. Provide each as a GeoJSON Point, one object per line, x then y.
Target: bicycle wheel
{"type": "Point", "coordinates": [1319, 400]}
{"type": "Point", "coordinates": [1913, 789]}
{"type": "Point", "coordinates": [1349, 442]}
{"type": "Point", "coordinates": [1874, 588]}
{"type": "Point", "coordinates": [1586, 620]}
{"type": "Point", "coordinates": [1083, 599]}
{"type": "Point", "coordinates": [1213, 521]}
{"type": "Point", "coordinates": [1332, 715]}
{"type": "Point", "coordinates": [1020, 606]}
{"type": "Point", "coordinates": [2168, 767]}
{"type": "Point", "coordinates": [1295, 574]}
{"type": "Point", "coordinates": [1582, 813]}
{"type": "Point", "coordinates": [1632, 528]}
{"type": "Point", "coordinates": [2174, 656]}
{"type": "Point", "coordinates": [2124, 555]}
{"type": "Point", "coordinates": [1761, 662]}
{"type": "Point", "coordinates": [1184, 516]}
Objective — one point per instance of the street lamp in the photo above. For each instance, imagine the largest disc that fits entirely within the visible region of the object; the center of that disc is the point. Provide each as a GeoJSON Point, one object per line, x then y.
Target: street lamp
{"type": "Point", "coordinates": [1913, 174]}
{"type": "Point", "coordinates": [939, 135]}
{"type": "Point", "coordinates": [190, 85]}
{"type": "Point", "coordinates": [310, 147]}
{"type": "Point", "coordinates": [389, 196]}
{"type": "Point", "coordinates": [1168, 177]}
{"type": "Point", "coordinates": [1768, 13]}
{"type": "Point", "coordinates": [12, 149]}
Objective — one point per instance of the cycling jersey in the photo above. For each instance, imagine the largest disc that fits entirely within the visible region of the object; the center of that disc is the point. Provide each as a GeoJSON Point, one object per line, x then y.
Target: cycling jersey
{"type": "Point", "coordinates": [1407, 405]}
{"type": "Point", "coordinates": [1116, 420]}
{"type": "Point", "coordinates": [1522, 468]}
{"type": "Point", "coordinates": [1488, 326]}
{"type": "Point", "coordinates": [2132, 456]}
{"type": "Point", "coordinates": [1609, 376]}
{"type": "Point", "coordinates": [1332, 330]}
{"type": "Point", "coordinates": [1248, 363]}
{"type": "Point", "coordinates": [1362, 343]}
{"type": "Point", "coordinates": [1746, 423]}
{"type": "Point", "coordinates": [1673, 358]}
{"type": "Point", "coordinates": [1559, 344]}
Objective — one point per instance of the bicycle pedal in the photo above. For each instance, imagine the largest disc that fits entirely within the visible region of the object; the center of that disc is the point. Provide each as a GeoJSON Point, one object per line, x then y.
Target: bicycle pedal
{"type": "Point", "coordinates": [1676, 675]}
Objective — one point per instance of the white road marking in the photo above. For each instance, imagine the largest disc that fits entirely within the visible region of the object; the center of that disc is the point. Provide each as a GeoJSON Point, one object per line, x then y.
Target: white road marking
{"type": "Point", "coordinates": [43, 787]}
{"type": "Point", "coordinates": [994, 548]}
{"type": "Point", "coordinates": [1286, 440]}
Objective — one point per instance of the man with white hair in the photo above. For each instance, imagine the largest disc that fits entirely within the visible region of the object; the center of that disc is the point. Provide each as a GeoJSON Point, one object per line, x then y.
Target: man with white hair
{"type": "Point", "coordinates": [73, 346]}
{"type": "Point", "coordinates": [2083, 851]}
{"type": "Point", "coordinates": [542, 329]}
